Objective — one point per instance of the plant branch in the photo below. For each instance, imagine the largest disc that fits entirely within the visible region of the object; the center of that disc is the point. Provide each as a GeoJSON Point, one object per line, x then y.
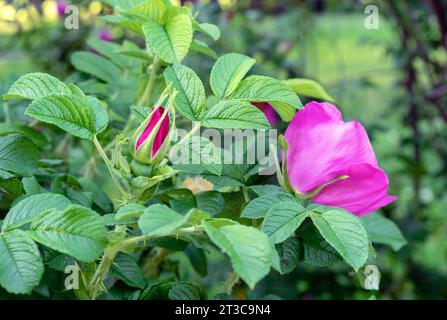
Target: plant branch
{"type": "Point", "coordinates": [231, 281]}
{"type": "Point", "coordinates": [6, 112]}
{"type": "Point", "coordinates": [146, 93]}
{"type": "Point", "coordinates": [109, 255]}
{"type": "Point", "coordinates": [109, 165]}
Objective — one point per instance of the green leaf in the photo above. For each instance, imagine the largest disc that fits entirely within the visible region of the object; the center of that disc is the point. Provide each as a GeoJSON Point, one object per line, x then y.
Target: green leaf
{"type": "Point", "coordinates": [308, 88]}
{"type": "Point", "coordinates": [190, 100]}
{"type": "Point", "coordinates": [126, 4]}
{"type": "Point", "coordinates": [266, 89]}
{"type": "Point", "coordinates": [139, 54]}
{"type": "Point", "coordinates": [201, 151]}
{"type": "Point", "coordinates": [141, 113]}
{"type": "Point", "coordinates": [18, 154]}
{"type": "Point", "coordinates": [100, 198]}
{"type": "Point", "coordinates": [282, 220]}
{"type": "Point", "coordinates": [157, 290]}
{"type": "Point", "coordinates": [248, 248]}
{"type": "Point", "coordinates": [126, 268]}
{"type": "Point", "coordinates": [101, 116]}
{"type": "Point", "coordinates": [235, 115]}
{"type": "Point", "coordinates": [34, 135]}
{"type": "Point", "coordinates": [56, 260]}
{"type": "Point", "coordinates": [383, 230]}
{"type": "Point", "coordinates": [316, 251]}
{"type": "Point", "coordinates": [170, 42]}
{"type": "Point", "coordinates": [153, 10]}
{"type": "Point", "coordinates": [76, 231]}
{"type": "Point", "coordinates": [197, 258]}
{"type": "Point", "coordinates": [202, 47]}
{"type": "Point", "coordinates": [258, 208]}
{"type": "Point", "coordinates": [211, 30]}
{"type": "Point", "coordinates": [69, 112]}
{"type": "Point", "coordinates": [96, 66]}
{"type": "Point", "coordinates": [210, 201]}
{"type": "Point", "coordinates": [287, 255]}
{"type": "Point", "coordinates": [344, 232]}
{"type": "Point", "coordinates": [31, 186]}
{"type": "Point", "coordinates": [124, 22]}
{"type": "Point", "coordinates": [35, 85]}
{"type": "Point", "coordinates": [21, 265]}
{"type": "Point", "coordinates": [28, 208]}
{"type": "Point", "coordinates": [228, 71]}
{"type": "Point", "coordinates": [131, 210]}
{"type": "Point", "coordinates": [109, 50]}
{"type": "Point", "coordinates": [263, 189]}
{"type": "Point", "coordinates": [185, 291]}
{"type": "Point", "coordinates": [160, 220]}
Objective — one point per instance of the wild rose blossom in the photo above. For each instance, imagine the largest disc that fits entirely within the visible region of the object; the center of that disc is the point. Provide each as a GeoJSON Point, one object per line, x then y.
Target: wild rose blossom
{"type": "Point", "coordinates": [322, 147]}
{"type": "Point", "coordinates": [268, 110]}
{"type": "Point", "coordinates": [151, 140]}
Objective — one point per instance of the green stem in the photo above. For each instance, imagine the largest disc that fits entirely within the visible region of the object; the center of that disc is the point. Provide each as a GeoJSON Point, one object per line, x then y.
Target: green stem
{"type": "Point", "coordinates": [146, 93]}
{"type": "Point", "coordinates": [109, 165]}
{"type": "Point", "coordinates": [88, 170]}
{"type": "Point", "coordinates": [6, 112]}
{"type": "Point", "coordinates": [106, 261]}
{"type": "Point", "coordinates": [109, 255]}
{"type": "Point", "coordinates": [245, 193]}
{"type": "Point", "coordinates": [150, 84]}
{"type": "Point", "coordinates": [232, 280]}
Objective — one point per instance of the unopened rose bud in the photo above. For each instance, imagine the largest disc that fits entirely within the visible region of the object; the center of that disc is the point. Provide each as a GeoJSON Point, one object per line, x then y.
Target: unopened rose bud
{"type": "Point", "coordinates": [151, 140]}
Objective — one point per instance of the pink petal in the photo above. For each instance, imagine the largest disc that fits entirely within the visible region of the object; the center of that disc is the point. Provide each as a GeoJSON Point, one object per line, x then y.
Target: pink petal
{"type": "Point", "coordinates": [363, 192]}
{"type": "Point", "coordinates": [268, 110]}
{"type": "Point", "coordinates": [321, 145]}
{"type": "Point", "coordinates": [162, 133]}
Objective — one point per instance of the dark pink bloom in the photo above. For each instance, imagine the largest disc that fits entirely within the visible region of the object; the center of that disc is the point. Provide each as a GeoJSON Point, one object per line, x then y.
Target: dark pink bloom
{"type": "Point", "coordinates": [162, 133]}
{"type": "Point", "coordinates": [105, 35]}
{"type": "Point", "coordinates": [61, 5]}
{"type": "Point", "coordinates": [322, 147]}
{"type": "Point", "coordinates": [268, 110]}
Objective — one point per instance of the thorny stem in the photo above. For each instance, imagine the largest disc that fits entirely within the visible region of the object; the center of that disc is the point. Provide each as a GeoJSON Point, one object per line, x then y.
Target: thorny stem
{"type": "Point", "coordinates": [107, 259]}
{"type": "Point", "coordinates": [109, 255]}
{"type": "Point", "coordinates": [110, 167]}
{"type": "Point", "coordinates": [89, 168]}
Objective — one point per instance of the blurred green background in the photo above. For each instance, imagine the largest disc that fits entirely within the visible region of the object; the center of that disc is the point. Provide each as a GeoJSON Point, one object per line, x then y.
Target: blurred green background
{"type": "Point", "coordinates": [392, 79]}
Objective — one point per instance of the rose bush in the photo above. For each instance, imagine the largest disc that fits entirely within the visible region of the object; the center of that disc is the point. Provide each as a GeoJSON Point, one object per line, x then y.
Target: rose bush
{"type": "Point", "coordinates": [153, 228]}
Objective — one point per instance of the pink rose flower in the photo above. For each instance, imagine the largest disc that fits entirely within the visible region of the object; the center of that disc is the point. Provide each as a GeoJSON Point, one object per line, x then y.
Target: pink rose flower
{"type": "Point", "coordinates": [322, 147]}
{"type": "Point", "coordinates": [268, 110]}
